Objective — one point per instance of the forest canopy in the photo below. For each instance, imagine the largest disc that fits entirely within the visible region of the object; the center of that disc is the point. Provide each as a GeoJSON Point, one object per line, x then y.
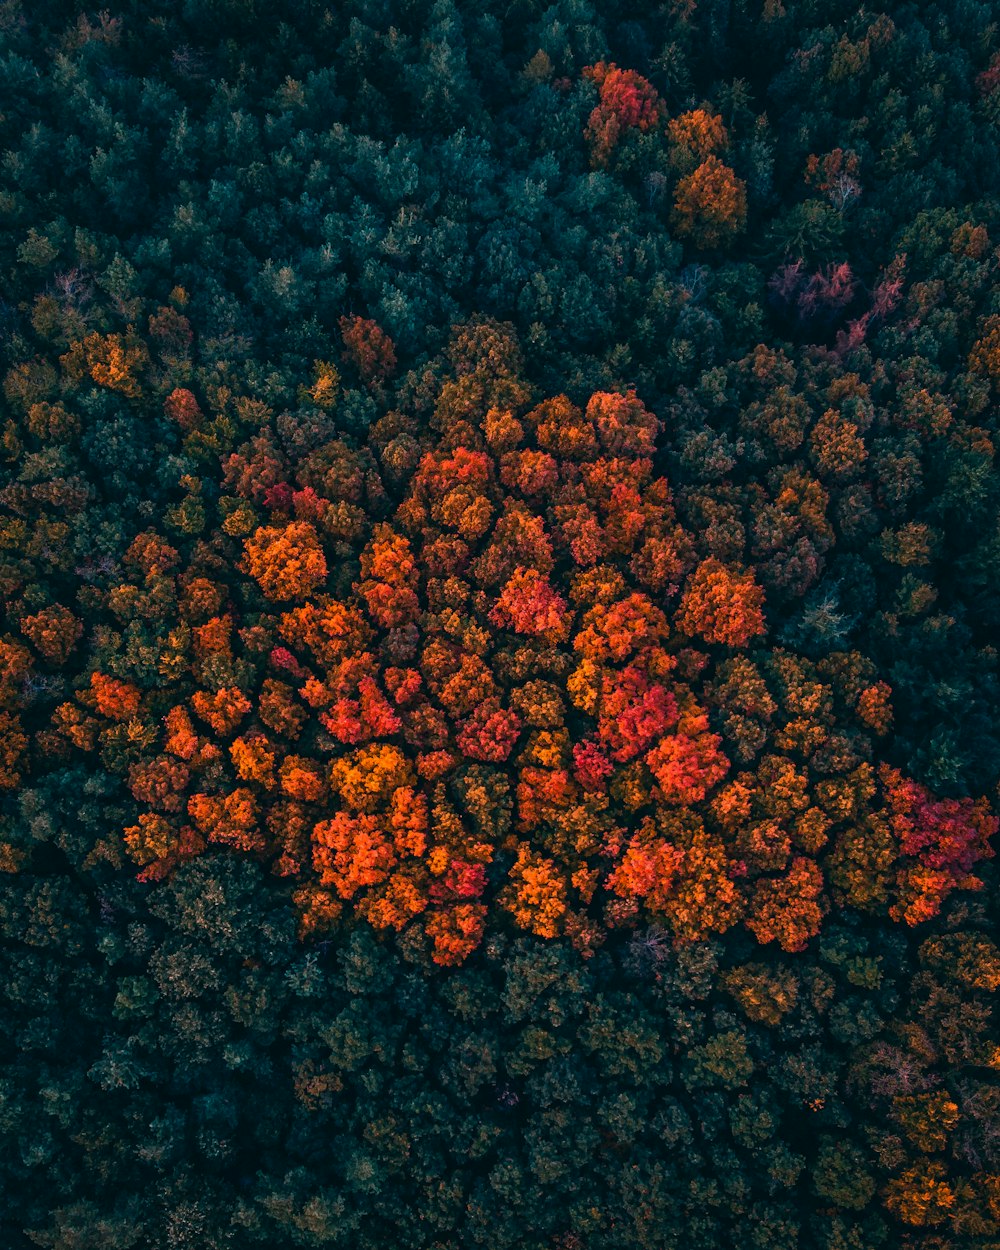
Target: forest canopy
{"type": "Point", "coordinates": [499, 554]}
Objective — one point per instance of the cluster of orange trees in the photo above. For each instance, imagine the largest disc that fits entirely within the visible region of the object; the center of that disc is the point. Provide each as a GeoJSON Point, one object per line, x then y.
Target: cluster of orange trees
{"type": "Point", "coordinates": [482, 663]}
{"type": "Point", "coordinates": [710, 200]}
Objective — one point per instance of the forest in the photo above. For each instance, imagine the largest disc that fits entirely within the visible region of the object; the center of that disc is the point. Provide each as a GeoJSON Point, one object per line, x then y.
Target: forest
{"type": "Point", "coordinates": [500, 581]}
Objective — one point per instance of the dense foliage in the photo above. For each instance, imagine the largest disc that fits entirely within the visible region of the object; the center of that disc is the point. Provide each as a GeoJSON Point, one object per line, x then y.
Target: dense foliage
{"type": "Point", "coordinates": [500, 555]}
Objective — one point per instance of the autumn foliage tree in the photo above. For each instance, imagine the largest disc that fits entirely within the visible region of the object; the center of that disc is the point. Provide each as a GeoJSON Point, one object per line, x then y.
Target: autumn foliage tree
{"type": "Point", "coordinates": [722, 605]}
{"type": "Point", "coordinates": [368, 348]}
{"type": "Point", "coordinates": [626, 100]}
{"type": "Point", "coordinates": [286, 561]}
{"type": "Point", "coordinates": [710, 205]}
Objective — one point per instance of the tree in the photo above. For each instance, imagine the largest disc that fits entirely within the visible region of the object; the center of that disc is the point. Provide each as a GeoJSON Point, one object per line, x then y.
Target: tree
{"type": "Point", "coordinates": [921, 1197]}
{"type": "Point", "coordinates": [537, 895]}
{"type": "Point", "coordinates": [710, 205]}
{"type": "Point", "coordinates": [722, 605]}
{"type": "Point", "coordinates": [626, 100]}
{"type": "Point", "coordinates": [695, 135]}
{"type": "Point", "coordinates": [287, 561]}
{"type": "Point", "coordinates": [787, 909]}
{"type": "Point", "coordinates": [54, 631]}
{"type": "Point", "coordinates": [368, 348]}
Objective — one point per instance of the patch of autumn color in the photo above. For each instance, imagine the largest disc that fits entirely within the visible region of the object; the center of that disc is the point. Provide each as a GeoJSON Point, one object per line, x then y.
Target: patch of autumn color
{"type": "Point", "coordinates": [182, 406]}
{"type": "Point", "coordinates": [694, 136]}
{"type": "Point", "coordinates": [985, 355]}
{"type": "Point", "coordinates": [286, 560]}
{"type": "Point", "coordinates": [619, 630]}
{"type": "Point", "coordinates": [624, 425]}
{"type": "Point", "coordinates": [201, 599]}
{"type": "Point", "coordinates": [648, 869]}
{"type": "Point", "coordinates": [314, 1088]}
{"type": "Point", "coordinates": [910, 546]}
{"type": "Point", "coordinates": [301, 779]}
{"type": "Point", "coordinates": [180, 739]}
{"type": "Point", "coordinates": [921, 1196]}
{"type": "Point", "coordinates": [222, 710]}
{"type": "Point", "coordinates": [788, 909]}
{"type": "Point", "coordinates": [369, 776]}
{"type": "Point", "coordinates": [722, 605]}
{"type": "Point", "coordinates": [118, 700]}
{"type": "Point", "coordinates": [151, 839]}
{"type": "Point", "coordinates": [705, 898]}
{"type": "Point", "coordinates": [519, 539]}
{"type": "Point", "coordinates": [863, 860]}
{"type": "Point", "coordinates": [627, 101]}
{"type": "Point", "coordinates": [52, 423]}
{"type": "Point", "coordinates": [489, 733]}
{"type": "Point", "coordinates": [69, 722]}
{"type": "Point", "coordinates": [315, 693]}
{"type": "Point", "coordinates": [390, 579]}
{"type": "Point", "coordinates": [15, 667]}
{"type": "Point", "coordinates": [927, 1119]}
{"type": "Point", "coordinates": [660, 562]}
{"type": "Point", "coordinates": [633, 713]}
{"type": "Point", "coordinates": [591, 767]}
{"type": "Point", "coordinates": [229, 819]}
{"type": "Point", "coordinates": [502, 430]}
{"type": "Point", "coordinates": [409, 820]}
{"type": "Point", "coordinates": [511, 678]}
{"type": "Point", "coordinates": [343, 721]}
{"type": "Point", "coordinates": [368, 348]}
{"type": "Point", "coordinates": [529, 472]}
{"type": "Point", "coordinates": [836, 446]}
{"type": "Point", "coordinates": [462, 682]}
{"type": "Point", "coordinates": [403, 684]}
{"type": "Point", "coordinates": [448, 488]}
{"type": "Point", "coordinates": [972, 958]}
{"type": "Point", "coordinates": [710, 205]}
{"type": "Point", "coordinates": [941, 841]}
{"type": "Point", "coordinates": [528, 605]}
{"type": "Point", "coordinates": [461, 879]}
{"type": "Point", "coordinates": [351, 853]}
{"type": "Point", "coordinates": [112, 360]}
{"type": "Point", "coordinates": [318, 910]}
{"type": "Point", "coordinates": [396, 904]}
{"type": "Point", "coordinates": [837, 175]}
{"type": "Point", "coordinates": [686, 768]}
{"type": "Point", "coordinates": [547, 748]}
{"type": "Point", "coordinates": [278, 709]}
{"type": "Point", "coordinates": [875, 707]}
{"type": "Point", "coordinates": [326, 388]}
{"type": "Point", "coordinates": [455, 932]}
{"type": "Point", "coordinates": [560, 428]}
{"type": "Point", "coordinates": [13, 747]}
{"type": "Point", "coordinates": [377, 716]}
{"type": "Point", "coordinates": [764, 844]}
{"type": "Point", "coordinates": [354, 720]}
{"type": "Point", "coordinates": [214, 637]}
{"type": "Point", "coordinates": [54, 631]}
{"type": "Point", "coordinates": [253, 759]}
{"type": "Point", "coordinates": [329, 629]}
{"type": "Point", "coordinates": [541, 793]}
{"type": "Point", "coordinates": [12, 858]}
{"type": "Point", "coordinates": [539, 703]}
{"type": "Point", "coordinates": [536, 896]}
{"type": "Point", "coordinates": [289, 825]}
